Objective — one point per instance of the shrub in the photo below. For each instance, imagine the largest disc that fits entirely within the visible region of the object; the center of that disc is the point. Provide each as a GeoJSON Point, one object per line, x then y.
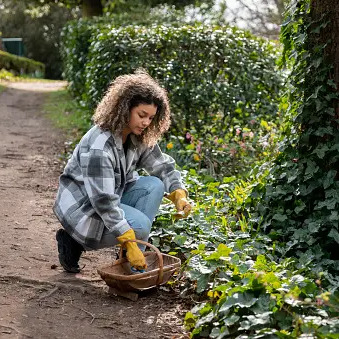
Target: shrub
{"type": "Point", "coordinates": [21, 65]}
{"type": "Point", "coordinates": [206, 70]}
{"type": "Point", "coordinates": [218, 80]}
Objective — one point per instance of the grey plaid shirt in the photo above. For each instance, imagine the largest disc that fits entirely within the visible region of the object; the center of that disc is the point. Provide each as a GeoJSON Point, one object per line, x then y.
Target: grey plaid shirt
{"type": "Point", "coordinates": [95, 177]}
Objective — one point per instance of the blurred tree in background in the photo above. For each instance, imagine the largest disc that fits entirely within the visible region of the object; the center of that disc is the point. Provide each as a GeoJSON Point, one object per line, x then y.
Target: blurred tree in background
{"type": "Point", "coordinates": [40, 30]}
{"type": "Point", "coordinates": [90, 8]}
{"type": "Point", "coordinates": [263, 17]}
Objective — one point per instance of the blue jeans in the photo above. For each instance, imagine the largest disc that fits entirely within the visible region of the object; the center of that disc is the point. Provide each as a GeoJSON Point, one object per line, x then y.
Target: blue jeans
{"type": "Point", "coordinates": [140, 202]}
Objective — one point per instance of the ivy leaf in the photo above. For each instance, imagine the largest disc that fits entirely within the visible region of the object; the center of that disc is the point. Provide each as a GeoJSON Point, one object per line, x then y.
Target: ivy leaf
{"type": "Point", "coordinates": [321, 151]}
{"type": "Point", "coordinates": [255, 320]}
{"type": "Point", "coordinates": [180, 240]}
{"type": "Point", "coordinates": [202, 282]}
{"type": "Point", "coordinates": [311, 168]}
{"type": "Point", "coordinates": [279, 217]}
{"type": "Point", "coordinates": [300, 207]}
{"type": "Point", "coordinates": [330, 204]}
{"type": "Point", "coordinates": [334, 234]}
{"type": "Point", "coordinates": [243, 300]}
{"type": "Point", "coordinates": [222, 252]}
{"type": "Point", "coordinates": [205, 319]}
{"type": "Point", "coordinates": [231, 320]}
{"type": "Point", "coordinates": [329, 179]}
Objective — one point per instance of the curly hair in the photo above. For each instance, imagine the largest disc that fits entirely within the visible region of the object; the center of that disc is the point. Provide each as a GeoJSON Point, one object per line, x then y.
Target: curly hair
{"type": "Point", "coordinates": [128, 91]}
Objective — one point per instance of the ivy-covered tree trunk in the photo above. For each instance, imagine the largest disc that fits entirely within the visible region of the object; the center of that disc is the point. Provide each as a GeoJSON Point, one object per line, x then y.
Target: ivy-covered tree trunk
{"type": "Point", "coordinates": [300, 203]}
{"type": "Point", "coordinates": [91, 8]}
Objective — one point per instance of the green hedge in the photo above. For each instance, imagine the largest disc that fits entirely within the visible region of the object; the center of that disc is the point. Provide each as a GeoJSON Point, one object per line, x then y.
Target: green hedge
{"type": "Point", "coordinates": [74, 50]}
{"type": "Point", "coordinates": [207, 71]}
{"type": "Point", "coordinates": [21, 65]}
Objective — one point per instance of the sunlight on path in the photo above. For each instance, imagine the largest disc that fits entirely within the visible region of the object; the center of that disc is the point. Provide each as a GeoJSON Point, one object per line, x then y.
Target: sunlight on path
{"type": "Point", "coordinates": [37, 86]}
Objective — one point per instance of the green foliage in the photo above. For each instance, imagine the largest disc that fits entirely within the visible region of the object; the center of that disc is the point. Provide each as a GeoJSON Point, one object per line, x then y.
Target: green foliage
{"type": "Point", "coordinates": [299, 204]}
{"type": "Point", "coordinates": [20, 65]}
{"type": "Point", "coordinates": [6, 75]}
{"type": "Point", "coordinates": [39, 29]}
{"type": "Point", "coordinates": [243, 284]}
{"type": "Point", "coordinates": [74, 50]}
{"type": "Point", "coordinates": [231, 90]}
{"type": "Point", "coordinates": [234, 73]}
{"type": "Point", "coordinates": [221, 152]}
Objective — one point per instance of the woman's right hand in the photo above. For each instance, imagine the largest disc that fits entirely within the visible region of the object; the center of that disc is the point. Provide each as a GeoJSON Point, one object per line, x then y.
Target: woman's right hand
{"type": "Point", "coordinates": [134, 254]}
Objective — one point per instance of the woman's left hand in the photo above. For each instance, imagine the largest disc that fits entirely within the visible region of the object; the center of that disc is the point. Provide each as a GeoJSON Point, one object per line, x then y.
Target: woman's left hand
{"type": "Point", "coordinates": [179, 198]}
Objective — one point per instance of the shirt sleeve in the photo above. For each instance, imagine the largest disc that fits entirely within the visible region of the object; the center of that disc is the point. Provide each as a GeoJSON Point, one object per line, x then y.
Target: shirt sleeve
{"type": "Point", "coordinates": [161, 165]}
{"type": "Point", "coordinates": [99, 179]}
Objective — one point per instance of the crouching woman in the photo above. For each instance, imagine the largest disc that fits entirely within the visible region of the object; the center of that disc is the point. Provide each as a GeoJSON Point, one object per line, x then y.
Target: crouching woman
{"type": "Point", "coordinates": [101, 200]}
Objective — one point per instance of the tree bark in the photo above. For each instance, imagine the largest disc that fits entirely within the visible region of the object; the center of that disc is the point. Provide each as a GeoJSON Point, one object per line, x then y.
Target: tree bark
{"type": "Point", "coordinates": [91, 8]}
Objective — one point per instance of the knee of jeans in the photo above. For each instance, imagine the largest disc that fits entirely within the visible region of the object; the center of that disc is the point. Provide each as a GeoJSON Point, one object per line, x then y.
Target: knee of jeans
{"type": "Point", "coordinates": [156, 185]}
{"type": "Point", "coordinates": [143, 228]}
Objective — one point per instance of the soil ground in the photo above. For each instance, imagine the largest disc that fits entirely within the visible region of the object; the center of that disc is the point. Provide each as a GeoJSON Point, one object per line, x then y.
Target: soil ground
{"type": "Point", "coordinates": [37, 298]}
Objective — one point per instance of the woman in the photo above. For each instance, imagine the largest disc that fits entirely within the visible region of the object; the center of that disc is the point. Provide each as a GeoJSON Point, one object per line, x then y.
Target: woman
{"type": "Point", "coordinates": [101, 199]}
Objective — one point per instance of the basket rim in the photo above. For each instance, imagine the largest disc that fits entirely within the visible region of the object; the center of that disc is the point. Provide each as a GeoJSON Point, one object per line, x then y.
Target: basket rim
{"type": "Point", "coordinates": [103, 274]}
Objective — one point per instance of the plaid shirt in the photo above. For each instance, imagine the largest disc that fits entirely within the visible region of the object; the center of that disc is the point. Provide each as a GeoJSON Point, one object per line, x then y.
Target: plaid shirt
{"type": "Point", "coordinates": [95, 177]}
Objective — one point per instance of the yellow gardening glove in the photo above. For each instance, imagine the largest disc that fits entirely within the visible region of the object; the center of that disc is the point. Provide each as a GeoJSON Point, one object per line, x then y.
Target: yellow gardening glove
{"type": "Point", "coordinates": [134, 254]}
{"type": "Point", "coordinates": [178, 197]}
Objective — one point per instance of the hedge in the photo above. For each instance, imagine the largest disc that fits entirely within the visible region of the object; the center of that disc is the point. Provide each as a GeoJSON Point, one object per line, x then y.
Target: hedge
{"type": "Point", "coordinates": [207, 71]}
{"type": "Point", "coordinates": [21, 65]}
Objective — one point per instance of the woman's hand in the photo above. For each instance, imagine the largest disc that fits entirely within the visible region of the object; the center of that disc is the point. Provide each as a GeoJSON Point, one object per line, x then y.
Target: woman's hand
{"type": "Point", "coordinates": [179, 198]}
{"type": "Point", "coordinates": [134, 254]}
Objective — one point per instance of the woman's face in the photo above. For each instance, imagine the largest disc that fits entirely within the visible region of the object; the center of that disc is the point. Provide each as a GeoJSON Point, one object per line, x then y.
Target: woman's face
{"type": "Point", "coordinates": [141, 117]}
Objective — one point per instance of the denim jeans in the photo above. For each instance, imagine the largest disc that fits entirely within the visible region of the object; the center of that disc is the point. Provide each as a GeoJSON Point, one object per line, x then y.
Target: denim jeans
{"type": "Point", "coordinates": [140, 202]}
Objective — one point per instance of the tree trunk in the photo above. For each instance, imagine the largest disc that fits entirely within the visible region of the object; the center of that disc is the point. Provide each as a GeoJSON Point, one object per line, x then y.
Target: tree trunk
{"type": "Point", "coordinates": [91, 8]}
{"type": "Point", "coordinates": [329, 9]}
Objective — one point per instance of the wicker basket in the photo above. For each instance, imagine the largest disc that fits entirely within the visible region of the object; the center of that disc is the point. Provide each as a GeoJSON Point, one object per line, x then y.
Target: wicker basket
{"type": "Point", "coordinates": [160, 267]}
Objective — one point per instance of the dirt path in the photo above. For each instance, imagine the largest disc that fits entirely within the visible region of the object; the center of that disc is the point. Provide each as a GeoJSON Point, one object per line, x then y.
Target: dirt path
{"type": "Point", "coordinates": [37, 301]}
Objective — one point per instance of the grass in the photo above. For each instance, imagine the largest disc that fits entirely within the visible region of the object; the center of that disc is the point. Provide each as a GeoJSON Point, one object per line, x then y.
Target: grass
{"type": "Point", "coordinates": [67, 114]}
{"type": "Point", "coordinates": [2, 88]}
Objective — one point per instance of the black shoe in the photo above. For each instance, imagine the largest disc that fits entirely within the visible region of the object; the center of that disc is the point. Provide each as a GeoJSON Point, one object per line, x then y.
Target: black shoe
{"type": "Point", "coordinates": [69, 251]}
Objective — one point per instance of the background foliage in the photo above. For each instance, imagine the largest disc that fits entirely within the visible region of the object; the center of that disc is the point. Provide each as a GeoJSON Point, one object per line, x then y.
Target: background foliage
{"type": "Point", "coordinates": [232, 87]}
{"type": "Point", "coordinates": [20, 65]}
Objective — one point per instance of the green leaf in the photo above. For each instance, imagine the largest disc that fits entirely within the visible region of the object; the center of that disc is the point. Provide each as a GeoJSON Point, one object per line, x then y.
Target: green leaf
{"type": "Point", "coordinates": [222, 253]}
{"type": "Point", "coordinates": [300, 207]}
{"type": "Point", "coordinates": [231, 320]}
{"type": "Point", "coordinates": [253, 321]}
{"type": "Point", "coordinates": [180, 240]}
{"type": "Point", "coordinates": [242, 300]}
{"type": "Point", "coordinates": [334, 234]}
{"type": "Point", "coordinates": [321, 151]}
{"type": "Point", "coordinates": [202, 282]}
{"type": "Point", "coordinates": [329, 179]}
{"type": "Point", "coordinates": [279, 217]}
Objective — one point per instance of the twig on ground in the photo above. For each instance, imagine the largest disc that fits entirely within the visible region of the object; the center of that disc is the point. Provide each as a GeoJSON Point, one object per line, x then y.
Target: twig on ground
{"type": "Point", "coordinates": [93, 317]}
{"type": "Point", "coordinates": [53, 290]}
{"type": "Point", "coordinates": [39, 259]}
{"type": "Point", "coordinates": [16, 330]}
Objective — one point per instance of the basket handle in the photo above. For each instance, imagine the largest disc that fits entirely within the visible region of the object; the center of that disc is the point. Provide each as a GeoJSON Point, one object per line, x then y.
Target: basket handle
{"type": "Point", "coordinates": [161, 261]}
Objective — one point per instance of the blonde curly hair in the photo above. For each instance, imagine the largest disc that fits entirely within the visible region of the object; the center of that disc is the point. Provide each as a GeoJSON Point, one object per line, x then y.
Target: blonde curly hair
{"type": "Point", "coordinates": [128, 91]}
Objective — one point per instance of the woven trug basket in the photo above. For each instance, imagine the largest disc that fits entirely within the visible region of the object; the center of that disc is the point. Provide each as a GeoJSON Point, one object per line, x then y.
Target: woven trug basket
{"type": "Point", "coordinates": [160, 267]}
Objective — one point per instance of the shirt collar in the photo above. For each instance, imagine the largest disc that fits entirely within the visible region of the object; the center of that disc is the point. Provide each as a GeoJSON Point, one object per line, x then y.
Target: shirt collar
{"type": "Point", "coordinates": [118, 140]}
